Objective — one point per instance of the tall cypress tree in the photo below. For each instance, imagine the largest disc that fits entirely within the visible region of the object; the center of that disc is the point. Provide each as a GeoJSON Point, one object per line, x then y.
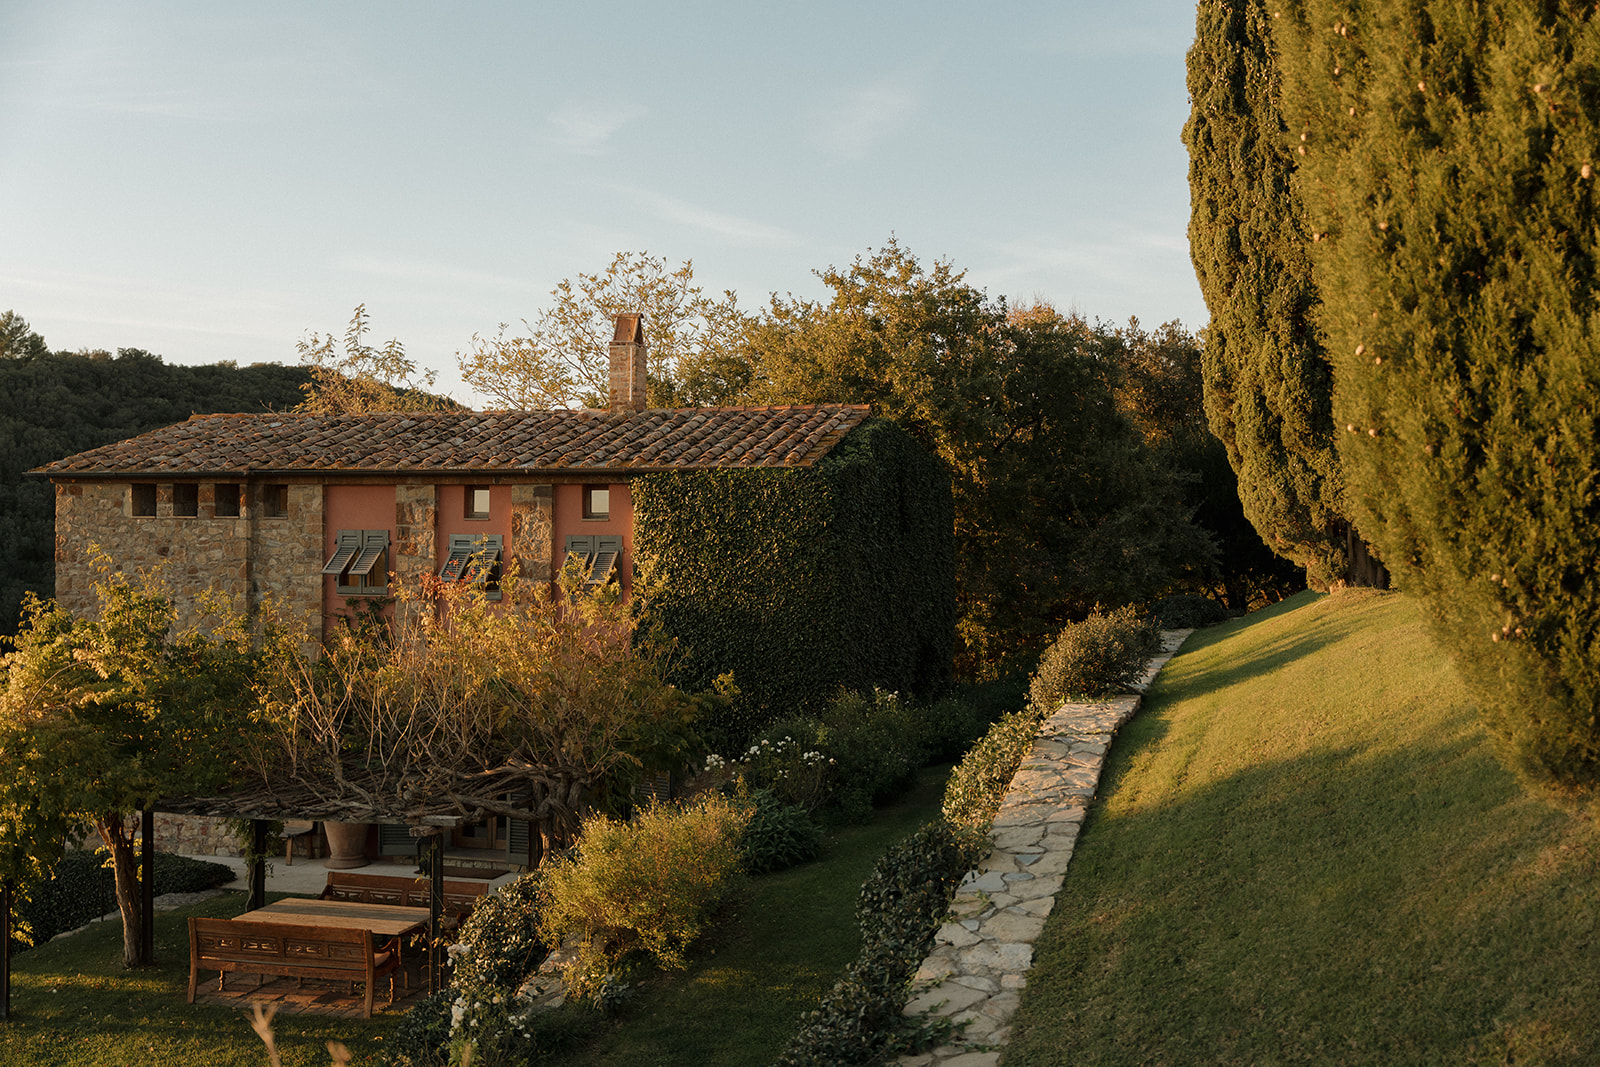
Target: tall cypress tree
{"type": "Point", "coordinates": [1268, 387]}
{"type": "Point", "coordinates": [1447, 159]}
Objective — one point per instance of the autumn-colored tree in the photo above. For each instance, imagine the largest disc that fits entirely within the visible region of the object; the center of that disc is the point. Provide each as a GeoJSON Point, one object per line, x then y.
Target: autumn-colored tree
{"type": "Point", "coordinates": [540, 706]}
{"type": "Point", "coordinates": [563, 359]}
{"type": "Point", "coordinates": [361, 378]}
{"type": "Point", "coordinates": [101, 716]}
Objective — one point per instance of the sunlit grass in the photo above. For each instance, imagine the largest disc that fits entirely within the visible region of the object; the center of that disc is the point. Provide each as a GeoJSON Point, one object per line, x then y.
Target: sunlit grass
{"type": "Point", "coordinates": [1306, 852]}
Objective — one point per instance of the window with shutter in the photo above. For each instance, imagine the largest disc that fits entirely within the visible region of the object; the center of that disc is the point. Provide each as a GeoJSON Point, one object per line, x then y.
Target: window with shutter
{"type": "Point", "coordinates": [360, 562]}
{"type": "Point", "coordinates": [475, 559]}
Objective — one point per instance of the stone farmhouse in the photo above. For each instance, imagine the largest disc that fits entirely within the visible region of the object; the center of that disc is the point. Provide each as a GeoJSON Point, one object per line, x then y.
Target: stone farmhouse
{"type": "Point", "coordinates": [320, 512]}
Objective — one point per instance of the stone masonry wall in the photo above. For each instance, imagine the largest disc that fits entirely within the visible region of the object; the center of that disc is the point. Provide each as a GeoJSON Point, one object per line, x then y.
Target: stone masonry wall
{"type": "Point", "coordinates": [416, 511]}
{"type": "Point", "coordinates": [532, 527]}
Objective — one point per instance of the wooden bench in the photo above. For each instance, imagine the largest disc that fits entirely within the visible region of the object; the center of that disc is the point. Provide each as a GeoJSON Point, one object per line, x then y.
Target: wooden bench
{"type": "Point", "coordinates": [224, 945]}
{"type": "Point", "coordinates": [460, 896]}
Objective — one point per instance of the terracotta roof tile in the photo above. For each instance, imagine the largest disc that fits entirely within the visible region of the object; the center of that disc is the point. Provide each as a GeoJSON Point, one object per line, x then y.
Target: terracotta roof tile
{"type": "Point", "coordinates": [680, 439]}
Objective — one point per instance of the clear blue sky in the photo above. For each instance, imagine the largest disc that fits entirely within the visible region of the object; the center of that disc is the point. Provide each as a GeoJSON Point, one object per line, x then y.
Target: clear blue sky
{"type": "Point", "coordinates": [211, 180]}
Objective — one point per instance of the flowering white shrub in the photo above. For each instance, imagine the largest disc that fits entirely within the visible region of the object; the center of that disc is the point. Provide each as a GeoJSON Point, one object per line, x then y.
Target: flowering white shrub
{"type": "Point", "coordinates": [796, 773]}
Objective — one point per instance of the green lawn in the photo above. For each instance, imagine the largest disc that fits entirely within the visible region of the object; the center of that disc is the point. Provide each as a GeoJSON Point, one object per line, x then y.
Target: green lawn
{"type": "Point", "coordinates": [1305, 851]}
{"type": "Point", "coordinates": [739, 1003]}
{"type": "Point", "coordinates": [73, 1005]}
{"type": "Point", "coordinates": [792, 939]}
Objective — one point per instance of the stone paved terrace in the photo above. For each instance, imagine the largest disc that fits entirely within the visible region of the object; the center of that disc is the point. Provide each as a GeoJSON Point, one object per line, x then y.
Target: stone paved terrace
{"type": "Point", "coordinates": [980, 960]}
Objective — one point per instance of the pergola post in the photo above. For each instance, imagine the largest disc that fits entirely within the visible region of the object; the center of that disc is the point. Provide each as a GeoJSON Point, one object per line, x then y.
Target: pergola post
{"type": "Point", "coordinates": [147, 887]}
{"type": "Point", "coordinates": [258, 865]}
{"type": "Point", "coordinates": [436, 908]}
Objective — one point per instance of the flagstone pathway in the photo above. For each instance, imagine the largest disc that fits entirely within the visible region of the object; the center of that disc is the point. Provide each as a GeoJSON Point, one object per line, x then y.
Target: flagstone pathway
{"type": "Point", "coordinates": [981, 957]}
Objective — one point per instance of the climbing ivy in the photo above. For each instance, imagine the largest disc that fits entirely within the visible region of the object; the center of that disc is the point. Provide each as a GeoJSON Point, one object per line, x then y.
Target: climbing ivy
{"type": "Point", "coordinates": [804, 582]}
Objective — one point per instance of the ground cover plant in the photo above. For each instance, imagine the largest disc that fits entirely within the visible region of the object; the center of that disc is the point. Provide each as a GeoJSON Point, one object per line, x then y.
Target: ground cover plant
{"type": "Point", "coordinates": [1305, 851]}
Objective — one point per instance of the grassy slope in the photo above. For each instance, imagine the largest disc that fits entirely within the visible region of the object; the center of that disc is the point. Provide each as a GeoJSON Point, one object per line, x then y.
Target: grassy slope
{"type": "Point", "coordinates": [1305, 851]}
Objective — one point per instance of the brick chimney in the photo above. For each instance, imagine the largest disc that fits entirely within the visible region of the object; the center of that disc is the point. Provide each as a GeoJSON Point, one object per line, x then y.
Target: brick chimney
{"type": "Point", "coordinates": [628, 378]}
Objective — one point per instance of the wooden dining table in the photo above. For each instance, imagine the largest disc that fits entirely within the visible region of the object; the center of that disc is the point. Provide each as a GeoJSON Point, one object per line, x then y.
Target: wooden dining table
{"type": "Point", "coordinates": [387, 920]}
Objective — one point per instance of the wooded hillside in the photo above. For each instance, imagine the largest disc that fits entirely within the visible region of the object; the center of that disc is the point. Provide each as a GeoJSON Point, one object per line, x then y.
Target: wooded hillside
{"type": "Point", "coordinates": [55, 404]}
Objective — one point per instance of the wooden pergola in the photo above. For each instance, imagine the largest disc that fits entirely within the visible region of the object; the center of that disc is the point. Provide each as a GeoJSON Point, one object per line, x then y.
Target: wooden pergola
{"type": "Point", "coordinates": [431, 820]}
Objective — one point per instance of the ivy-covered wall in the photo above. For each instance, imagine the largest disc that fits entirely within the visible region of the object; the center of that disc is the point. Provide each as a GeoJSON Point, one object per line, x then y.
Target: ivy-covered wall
{"type": "Point", "coordinates": [805, 582]}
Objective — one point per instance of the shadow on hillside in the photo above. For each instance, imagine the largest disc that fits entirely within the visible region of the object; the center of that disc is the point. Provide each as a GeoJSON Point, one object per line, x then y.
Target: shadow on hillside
{"type": "Point", "coordinates": [1402, 903]}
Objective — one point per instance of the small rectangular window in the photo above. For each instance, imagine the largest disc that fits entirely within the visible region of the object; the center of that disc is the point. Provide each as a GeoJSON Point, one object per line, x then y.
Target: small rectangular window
{"type": "Point", "coordinates": [596, 502]}
{"type": "Point", "coordinates": [477, 502]}
{"type": "Point", "coordinates": [186, 500]}
{"type": "Point", "coordinates": [275, 501]}
{"type": "Point", "coordinates": [226, 495]}
{"type": "Point", "coordinates": [142, 499]}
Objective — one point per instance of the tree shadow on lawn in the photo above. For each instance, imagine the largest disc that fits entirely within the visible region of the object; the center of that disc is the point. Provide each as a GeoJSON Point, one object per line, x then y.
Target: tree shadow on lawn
{"type": "Point", "coordinates": [1353, 903]}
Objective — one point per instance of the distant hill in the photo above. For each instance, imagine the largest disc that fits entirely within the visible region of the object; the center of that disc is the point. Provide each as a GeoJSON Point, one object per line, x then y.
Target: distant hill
{"type": "Point", "coordinates": [56, 404]}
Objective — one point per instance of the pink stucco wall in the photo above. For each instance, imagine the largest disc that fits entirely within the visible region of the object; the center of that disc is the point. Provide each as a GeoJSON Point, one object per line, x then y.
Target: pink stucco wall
{"type": "Point", "coordinates": [569, 521]}
{"type": "Point", "coordinates": [353, 507]}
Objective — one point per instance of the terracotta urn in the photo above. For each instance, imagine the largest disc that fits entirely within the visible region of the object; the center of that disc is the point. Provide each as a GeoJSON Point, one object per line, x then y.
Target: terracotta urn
{"type": "Point", "coordinates": [347, 844]}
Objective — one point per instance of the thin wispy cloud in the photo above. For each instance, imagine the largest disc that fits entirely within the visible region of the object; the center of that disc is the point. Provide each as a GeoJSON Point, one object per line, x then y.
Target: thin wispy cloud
{"type": "Point", "coordinates": [586, 129]}
{"type": "Point", "coordinates": [856, 121]}
{"type": "Point", "coordinates": [424, 272]}
{"type": "Point", "coordinates": [742, 230]}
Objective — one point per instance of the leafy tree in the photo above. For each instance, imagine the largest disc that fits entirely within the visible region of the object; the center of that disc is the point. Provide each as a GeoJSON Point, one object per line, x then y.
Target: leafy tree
{"type": "Point", "coordinates": [1160, 388]}
{"type": "Point", "coordinates": [564, 359]}
{"type": "Point", "coordinates": [1449, 172]}
{"type": "Point", "coordinates": [1059, 506]}
{"type": "Point", "coordinates": [102, 716]}
{"type": "Point", "coordinates": [363, 378]}
{"type": "Point", "coordinates": [540, 706]}
{"type": "Point", "coordinates": [1268, 385]}
{"type": "Point", "coordinates": [17, 339]}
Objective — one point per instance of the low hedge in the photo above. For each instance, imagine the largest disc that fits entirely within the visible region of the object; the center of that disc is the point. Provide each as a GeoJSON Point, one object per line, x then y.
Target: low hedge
{"type": "Point", "coordinates": [82, 890]}
{"type": "Point", "coordinates": [901, 903]}
{"type": "Point", "coordinates": [1101, 654]}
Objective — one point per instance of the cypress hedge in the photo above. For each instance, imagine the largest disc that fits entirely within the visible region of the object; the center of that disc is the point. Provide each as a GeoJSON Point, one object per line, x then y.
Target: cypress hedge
{"type": "Point", "coordinates": [804, 582]}
{"type": "Point", "coordinates": [1268, 385]}
{"type": "Point", "coordinates": [1447, 157]}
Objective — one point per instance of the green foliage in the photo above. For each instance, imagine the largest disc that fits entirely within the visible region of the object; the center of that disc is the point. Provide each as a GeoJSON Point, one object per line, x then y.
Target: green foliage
{"type": "Point", "coordinates": [859, 751]}
{"type": "Point", "coordinates": [1101, 654]}
{"type": "Point", "coordinates": [1449, 171]}
{"type": "Point", "coordinates": [1161, 388]}
{"type": "Point", "coordinates": [1058, 504]}
{"type": "Point", "coordinates": [899, 909]}
{"type": "Point", "coordinates": [948, 727]}
{"type": "Point", "coordinates": [779, 835]}
{"type": "Point", "coordinates": [499, 949]}
{"type": "Point", "coordinates": [52, 406]}
{"type": "Point", "coordinates": [979, 782]}
{"type": "Point", "coordinates": [81, 889]}
{"type": "Point", "coordinates": [101, 716]}
{"type": "Point", "coordinates": [803, 582]}
{"type": "Point", "coordinates": [422, 1036]}
{"type": "Point", "coordinates": [1268, 384]}
{"type": "Point", "coordinates": [648, 887]}
{"type": "Point", "coordinates": [1187, 612]}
